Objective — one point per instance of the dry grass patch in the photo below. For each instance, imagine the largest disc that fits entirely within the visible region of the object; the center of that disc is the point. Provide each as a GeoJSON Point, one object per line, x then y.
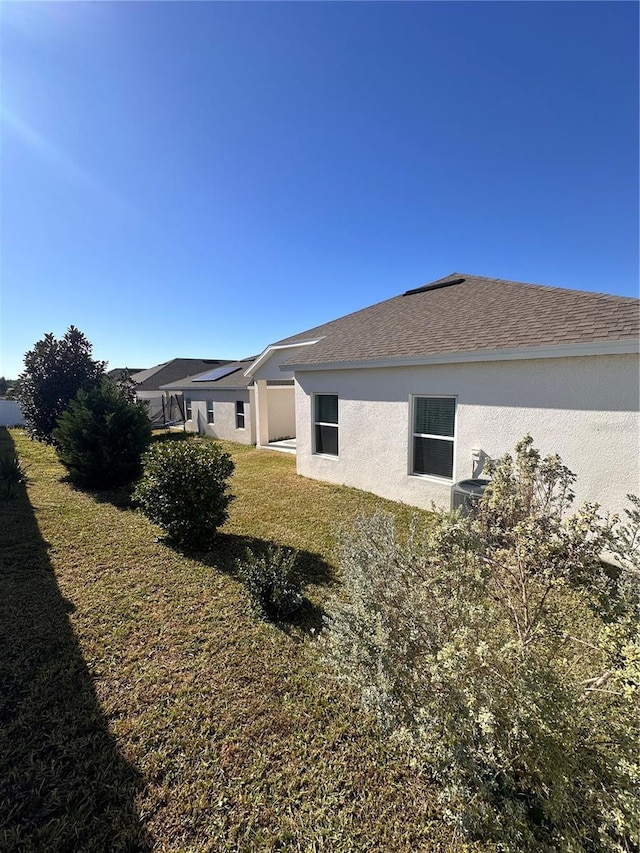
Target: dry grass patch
{"type": "Point", "coordinates": [143, 707]}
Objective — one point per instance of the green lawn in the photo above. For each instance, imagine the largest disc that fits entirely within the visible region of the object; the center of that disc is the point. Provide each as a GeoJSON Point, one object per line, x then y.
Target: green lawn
{"type": "Point", "coordinates": [142, 706]}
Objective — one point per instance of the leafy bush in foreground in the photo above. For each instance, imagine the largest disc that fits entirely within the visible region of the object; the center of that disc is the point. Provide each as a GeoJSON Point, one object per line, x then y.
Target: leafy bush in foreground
{"type": "Point", "coordinates": [626, 549]}
{"type": "Point", "coordinates": [184, 490]}
{"type": "Point", "coordinates": [272, 581]}
{"type": "Point", "coordinates": [101, 437]}
{"type": "Point", "coordinates": [505, 659]}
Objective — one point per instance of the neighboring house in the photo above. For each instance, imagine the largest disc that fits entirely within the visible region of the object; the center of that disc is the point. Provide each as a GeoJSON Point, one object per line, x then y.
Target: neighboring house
{"type": "Point", "coordinates": [148, 383]}
{"type": "Point", "coordinates": [408, 396]}
{"type": "Point", "coordinates": [218, 402]}
{"type": "Point", "coordinates": [116, 373]}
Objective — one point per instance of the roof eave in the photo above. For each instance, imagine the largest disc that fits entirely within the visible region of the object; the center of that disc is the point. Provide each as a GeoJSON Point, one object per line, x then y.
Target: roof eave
{"type": "Point", "coordinates": [611, 347]}
{"type": "Point", "coordinates": [266, 354]}
{"type": "Point", "coordinates": [203, 386]}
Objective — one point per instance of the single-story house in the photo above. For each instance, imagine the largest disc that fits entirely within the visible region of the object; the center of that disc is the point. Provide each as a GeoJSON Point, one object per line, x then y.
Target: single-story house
{"type": "Point", "coordinates": [117, 373]}
{"type": "Point", "coordinates": [219, 402]}
{"type": "Point", "coordinates": [408, 396]}
{"type": "Point", "coordinates": [148, 384]}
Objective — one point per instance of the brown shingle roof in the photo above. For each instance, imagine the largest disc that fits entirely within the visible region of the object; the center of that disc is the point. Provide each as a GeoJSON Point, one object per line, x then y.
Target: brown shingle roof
{"type": "Point", "coordinates": [173, 370]}
{"type": "Point", "coordinates": [231, 382]}
{"type": "Point", "coordinates": [466, 313]}
{"type": "Point", "coordinates": [116, 373]}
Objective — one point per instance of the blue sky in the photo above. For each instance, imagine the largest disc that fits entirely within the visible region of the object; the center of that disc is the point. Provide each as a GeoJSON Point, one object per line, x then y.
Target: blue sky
{"type": "Point", "coordinates": [200, 179]}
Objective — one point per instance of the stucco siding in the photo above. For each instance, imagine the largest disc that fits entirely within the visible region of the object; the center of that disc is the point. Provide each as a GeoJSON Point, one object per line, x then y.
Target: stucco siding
{"type": "Point", "coordinates": [282, 412]}
{"type": "Point", "coordinates": [224, 409]}
{"type": "Point", "coordinates": [584, 408]}
{"type": "Point", "coordinates": [270, 367]}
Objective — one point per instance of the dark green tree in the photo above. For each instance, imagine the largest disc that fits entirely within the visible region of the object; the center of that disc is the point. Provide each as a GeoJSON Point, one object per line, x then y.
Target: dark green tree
{"type": "Point", "coordinates": [101, 437]}
{"type": "Point", "coordinates": [125, 384]}
{"type": "Point", "coordinates": [3, 386]}
{"type": "Point", "coordinates": [54, 371]}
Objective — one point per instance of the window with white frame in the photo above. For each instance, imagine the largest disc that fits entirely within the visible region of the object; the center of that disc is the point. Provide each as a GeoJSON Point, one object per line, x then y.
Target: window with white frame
{"type": "Point", "coordinates": [210, 414]}
{"type": "Point", "coordinates": [187, 409]}
{"type": "Point", "coordinates": [239, 414]}
{"type": "Point", "coordinates": [433, 436]}
{"type": "Point", "coordinates": [326, 424]}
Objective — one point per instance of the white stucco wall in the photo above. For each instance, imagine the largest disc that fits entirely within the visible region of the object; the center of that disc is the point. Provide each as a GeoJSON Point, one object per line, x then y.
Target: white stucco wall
{"type": "Point", "coordinates": [281, 412]}
{"type": "Point", "coordinates": [584, 408]}
{"type": "Point", "coordinates": [224, 409]}
{"type": "Point", "coordinates": [274, 404]}
{"type": "Point", "coordinates": [269, 367]}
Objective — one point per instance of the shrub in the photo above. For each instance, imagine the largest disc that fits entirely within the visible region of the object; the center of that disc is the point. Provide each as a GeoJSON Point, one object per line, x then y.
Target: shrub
{"type": "Point", "coordinates": [101, 437]}
{"type": "Point", "coordinates": [184, 490]}
{"type": "Point", "coordinates": [504, 659]}
{"type": "Point", "coordinates": [626, 549]}
{"type": "Point", "coordinates": [12, 475]}
{"type": "Point", "coordinates": [54, 372]}
{"type": "Point", "coordinates": [272, 581]}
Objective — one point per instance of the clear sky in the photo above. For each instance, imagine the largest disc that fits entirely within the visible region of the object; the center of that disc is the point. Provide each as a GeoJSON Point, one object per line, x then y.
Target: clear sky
{"type": "Point", "coordinates": [200, 179]}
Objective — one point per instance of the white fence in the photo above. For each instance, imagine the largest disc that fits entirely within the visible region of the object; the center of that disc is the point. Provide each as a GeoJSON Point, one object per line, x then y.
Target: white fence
{"type": "Point", "coordinates": [10, 414]}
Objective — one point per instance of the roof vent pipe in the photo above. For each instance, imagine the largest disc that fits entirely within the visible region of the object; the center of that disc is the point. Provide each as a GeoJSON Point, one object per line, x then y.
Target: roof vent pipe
{"type": "Point", "coordinates": [435, 286]}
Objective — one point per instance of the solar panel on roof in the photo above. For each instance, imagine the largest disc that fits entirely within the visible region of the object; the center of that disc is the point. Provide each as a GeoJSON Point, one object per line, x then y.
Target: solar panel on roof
{"type": "Point", "coordinates": [218, 373]}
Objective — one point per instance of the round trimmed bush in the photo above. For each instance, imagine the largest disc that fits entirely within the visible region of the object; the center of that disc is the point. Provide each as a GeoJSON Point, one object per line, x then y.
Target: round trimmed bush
{"type": "Point", "coordinates": [184, 490]}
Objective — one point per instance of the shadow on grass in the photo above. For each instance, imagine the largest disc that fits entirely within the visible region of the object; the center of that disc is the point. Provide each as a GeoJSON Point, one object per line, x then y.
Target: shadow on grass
{"type": "Point", "coordinates": [311, 568]}
{"type": "Point", "coordinates": [173, 435]}
{"type": "Point", "coordinates": [63, 784]}
{"type": "Point", "coordinates": [120, 496]}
